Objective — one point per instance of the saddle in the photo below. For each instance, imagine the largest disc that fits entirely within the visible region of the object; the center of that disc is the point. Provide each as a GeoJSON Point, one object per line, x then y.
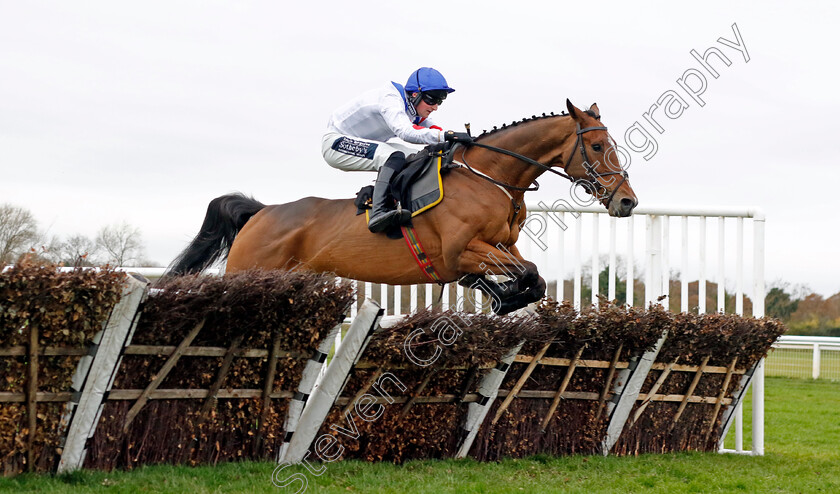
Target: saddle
{"type": "Point", "coordinates": [418, 187]}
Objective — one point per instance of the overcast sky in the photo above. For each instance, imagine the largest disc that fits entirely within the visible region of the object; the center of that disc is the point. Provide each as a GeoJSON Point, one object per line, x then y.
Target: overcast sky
{"type": "Point", "coordinates": [144, 111]}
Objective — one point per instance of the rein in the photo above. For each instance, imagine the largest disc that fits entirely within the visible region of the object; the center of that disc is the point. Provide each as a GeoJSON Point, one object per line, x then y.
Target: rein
{"type": "Point", "coordinates": [517, 156]}
{"type": "Point", "coordinates": [579, 141]}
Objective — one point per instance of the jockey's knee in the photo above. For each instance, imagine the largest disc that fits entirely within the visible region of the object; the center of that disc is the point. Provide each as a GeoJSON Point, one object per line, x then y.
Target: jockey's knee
{"type": "Point", "coordinates": [395, 161]}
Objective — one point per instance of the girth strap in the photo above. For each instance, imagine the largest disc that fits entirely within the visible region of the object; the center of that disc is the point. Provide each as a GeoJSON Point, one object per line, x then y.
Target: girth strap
{"type": "Point", "coordinates": [420, 256]}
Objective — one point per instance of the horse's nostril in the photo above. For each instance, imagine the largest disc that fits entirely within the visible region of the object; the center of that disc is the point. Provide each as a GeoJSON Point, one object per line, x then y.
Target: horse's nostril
{"type": "Point", "coordinates": [627, 204]}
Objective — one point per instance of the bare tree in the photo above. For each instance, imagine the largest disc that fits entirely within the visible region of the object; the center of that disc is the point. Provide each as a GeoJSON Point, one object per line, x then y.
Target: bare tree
{"type": "Point", "coordinates": [18, 232]}
{"type": "Point", "coordinates": [121, 243]}
{"type": "Point", "coordinates": [47, 249]}
{"type": "Point", "coordinates": [79, 250]}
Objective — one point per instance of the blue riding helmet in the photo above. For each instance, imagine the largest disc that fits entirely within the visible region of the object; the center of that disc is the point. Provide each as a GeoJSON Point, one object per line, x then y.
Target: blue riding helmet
{"type": "Point", "coordinates": [426, 79]}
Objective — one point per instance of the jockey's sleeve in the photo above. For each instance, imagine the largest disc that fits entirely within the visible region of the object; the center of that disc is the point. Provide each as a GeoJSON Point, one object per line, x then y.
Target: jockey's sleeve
{"type": "Point", "coordinates": [392, 110]}
{"type": "Point", "coordinates": [428, 122]}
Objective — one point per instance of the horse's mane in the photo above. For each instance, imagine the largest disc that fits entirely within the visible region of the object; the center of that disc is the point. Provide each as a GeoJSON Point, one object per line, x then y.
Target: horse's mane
{"type": "Point", "coordinates": [485, 133]}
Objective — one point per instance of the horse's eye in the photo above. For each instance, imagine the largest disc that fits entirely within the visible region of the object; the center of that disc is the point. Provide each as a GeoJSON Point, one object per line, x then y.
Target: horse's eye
{"type": "Point", "coordinates": [597, 148]}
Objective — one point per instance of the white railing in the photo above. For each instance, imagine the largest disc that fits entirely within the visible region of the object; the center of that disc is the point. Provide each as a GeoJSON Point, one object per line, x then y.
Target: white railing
{"type": "Point", "coordinates": [148, 272]}
{"type": "Point", "coordinates": [817, 357]}
{"type": "Point", "coordinates": [570, 229]}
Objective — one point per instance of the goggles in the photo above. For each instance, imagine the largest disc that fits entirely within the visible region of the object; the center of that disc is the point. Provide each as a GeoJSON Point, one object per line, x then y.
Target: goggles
{"type": "Point", "coordinates": [433, 98]}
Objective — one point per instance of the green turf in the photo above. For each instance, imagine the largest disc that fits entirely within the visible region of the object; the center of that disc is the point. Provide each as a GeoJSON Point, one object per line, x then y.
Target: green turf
{"type": "Point", "coordinates": [802, 439]}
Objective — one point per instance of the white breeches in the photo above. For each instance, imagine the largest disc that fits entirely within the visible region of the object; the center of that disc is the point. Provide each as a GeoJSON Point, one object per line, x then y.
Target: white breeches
{"type": "Point", "coordinates": [355, 154]}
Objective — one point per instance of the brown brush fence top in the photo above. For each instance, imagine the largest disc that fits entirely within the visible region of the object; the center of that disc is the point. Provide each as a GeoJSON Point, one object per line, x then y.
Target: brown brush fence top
{"type": "Point", "coordinates": [68, 307]}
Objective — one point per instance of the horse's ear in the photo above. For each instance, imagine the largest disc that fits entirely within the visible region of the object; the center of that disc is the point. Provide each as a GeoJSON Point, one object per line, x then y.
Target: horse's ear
{"type": "Point", "coordinates": [573, 111]}
{"type": "Point", "coordinates": [594, 109]}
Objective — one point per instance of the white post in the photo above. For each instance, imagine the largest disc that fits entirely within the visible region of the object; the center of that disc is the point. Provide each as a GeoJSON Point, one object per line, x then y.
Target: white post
{"type": "Point", "coordinates": [701, 280]}
{"type": "Point", "coordinates": [595, 268]}
{"type": "Point", "coordinates": [665, 264]}
{"type": "Point", "coordinates": [337, 340]}
{"type": "Point", "coordinates": [758, 311]}
{"type": "Point", "coordinates": [739, 270]}
{"type": "Point", "coordinates": [648, 244]}
{"type": "Point", "coordinates": [413, 298]}
{"type": "Point", "coordinates": [578, 243]}
{"type": "Point", "coordinates": [543, 257]}
{"type": "Point", "coordinates": [383, 290]}
{"type": "Point", "coordinates": [561, 275]}
{"type": "Point", "coordinates": [684, 266]}
{"type": "Point", "coordinates": [815, 368]}
{"type": "Point", "coordinates": [731, 411]}
{"type": "Point", "coordinates": [739, 428]}
{"type": "Point", "coordinates": [354, 309]}
{"type": "Point", "coordinates": [653, 288]}
{"type": "Point", "coordinates": [611, 271]}
{"type": "Point", "coordinates": [758, 411]}
{"type": "Point", "coordinates": [721, 289]}
{"type": "Point", "coordinates": [631, 267]}
{"type": "Point", "coordinates": [758, 264]}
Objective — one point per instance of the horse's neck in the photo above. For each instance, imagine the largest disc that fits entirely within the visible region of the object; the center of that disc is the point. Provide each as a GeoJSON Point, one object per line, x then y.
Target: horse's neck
{"type": "Point", "coordinates": [540, 140]}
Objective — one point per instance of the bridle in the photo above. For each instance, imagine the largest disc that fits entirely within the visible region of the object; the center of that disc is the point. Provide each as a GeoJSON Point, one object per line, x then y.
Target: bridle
{"type": "Point", "coordinates": [590, 170]}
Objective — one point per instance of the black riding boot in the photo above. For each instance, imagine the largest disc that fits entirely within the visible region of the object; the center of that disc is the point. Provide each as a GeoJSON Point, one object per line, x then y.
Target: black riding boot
{"type": "Point", "coordinates": [383, 215]}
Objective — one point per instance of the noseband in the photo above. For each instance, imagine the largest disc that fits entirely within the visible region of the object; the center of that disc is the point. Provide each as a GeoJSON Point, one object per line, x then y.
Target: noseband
{"type": "Point", "coordinates": [590, 170]}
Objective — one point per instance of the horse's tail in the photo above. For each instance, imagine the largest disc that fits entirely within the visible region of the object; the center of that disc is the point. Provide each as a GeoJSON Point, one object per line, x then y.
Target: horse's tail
{"type": "Point", "coordinates": [226, 215]}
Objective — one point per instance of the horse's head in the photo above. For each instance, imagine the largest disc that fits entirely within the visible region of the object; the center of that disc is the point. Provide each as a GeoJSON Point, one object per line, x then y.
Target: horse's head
{"type": "Point", "coordinates": [593, 162]}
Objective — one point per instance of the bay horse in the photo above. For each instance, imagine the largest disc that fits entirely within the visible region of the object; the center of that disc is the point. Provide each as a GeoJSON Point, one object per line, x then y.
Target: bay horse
{"type": "Point", "coordinates": [471, 234]}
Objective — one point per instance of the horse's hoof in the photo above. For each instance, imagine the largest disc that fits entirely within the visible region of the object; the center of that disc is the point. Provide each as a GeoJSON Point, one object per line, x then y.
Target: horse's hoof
{"type": "Point", "coordinates": [507, 306]}
{"type": "Point", "coordinates": [520, 300]}
{"type": "Point", "coordinates": [528, 281]}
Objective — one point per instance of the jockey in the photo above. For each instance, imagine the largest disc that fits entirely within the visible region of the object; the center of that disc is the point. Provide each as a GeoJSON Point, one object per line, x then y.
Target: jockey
{"type": "Point", "coordinates": [357, 131]}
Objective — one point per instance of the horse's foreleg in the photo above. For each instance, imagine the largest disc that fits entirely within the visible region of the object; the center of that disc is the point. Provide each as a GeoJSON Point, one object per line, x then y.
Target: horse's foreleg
{"type": "Point", "coordinates": [481, 258]}
{"type": "Point", "coordinates": [522, 299]}
{"type": "Point", "coordinates": [523, 287]}
{"type": "Point", "coordinates": [498, 292]}
{"type": "Point", "coordinates": [529, 279]}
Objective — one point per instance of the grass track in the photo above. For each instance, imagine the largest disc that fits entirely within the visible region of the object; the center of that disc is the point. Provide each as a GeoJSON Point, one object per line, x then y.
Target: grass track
{"type": "Point", "coordinates": [802, 446]}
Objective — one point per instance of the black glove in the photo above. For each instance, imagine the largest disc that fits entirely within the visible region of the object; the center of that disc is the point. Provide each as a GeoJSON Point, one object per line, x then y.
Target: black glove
{"type": "Point", "coordinates": [461, 137]}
